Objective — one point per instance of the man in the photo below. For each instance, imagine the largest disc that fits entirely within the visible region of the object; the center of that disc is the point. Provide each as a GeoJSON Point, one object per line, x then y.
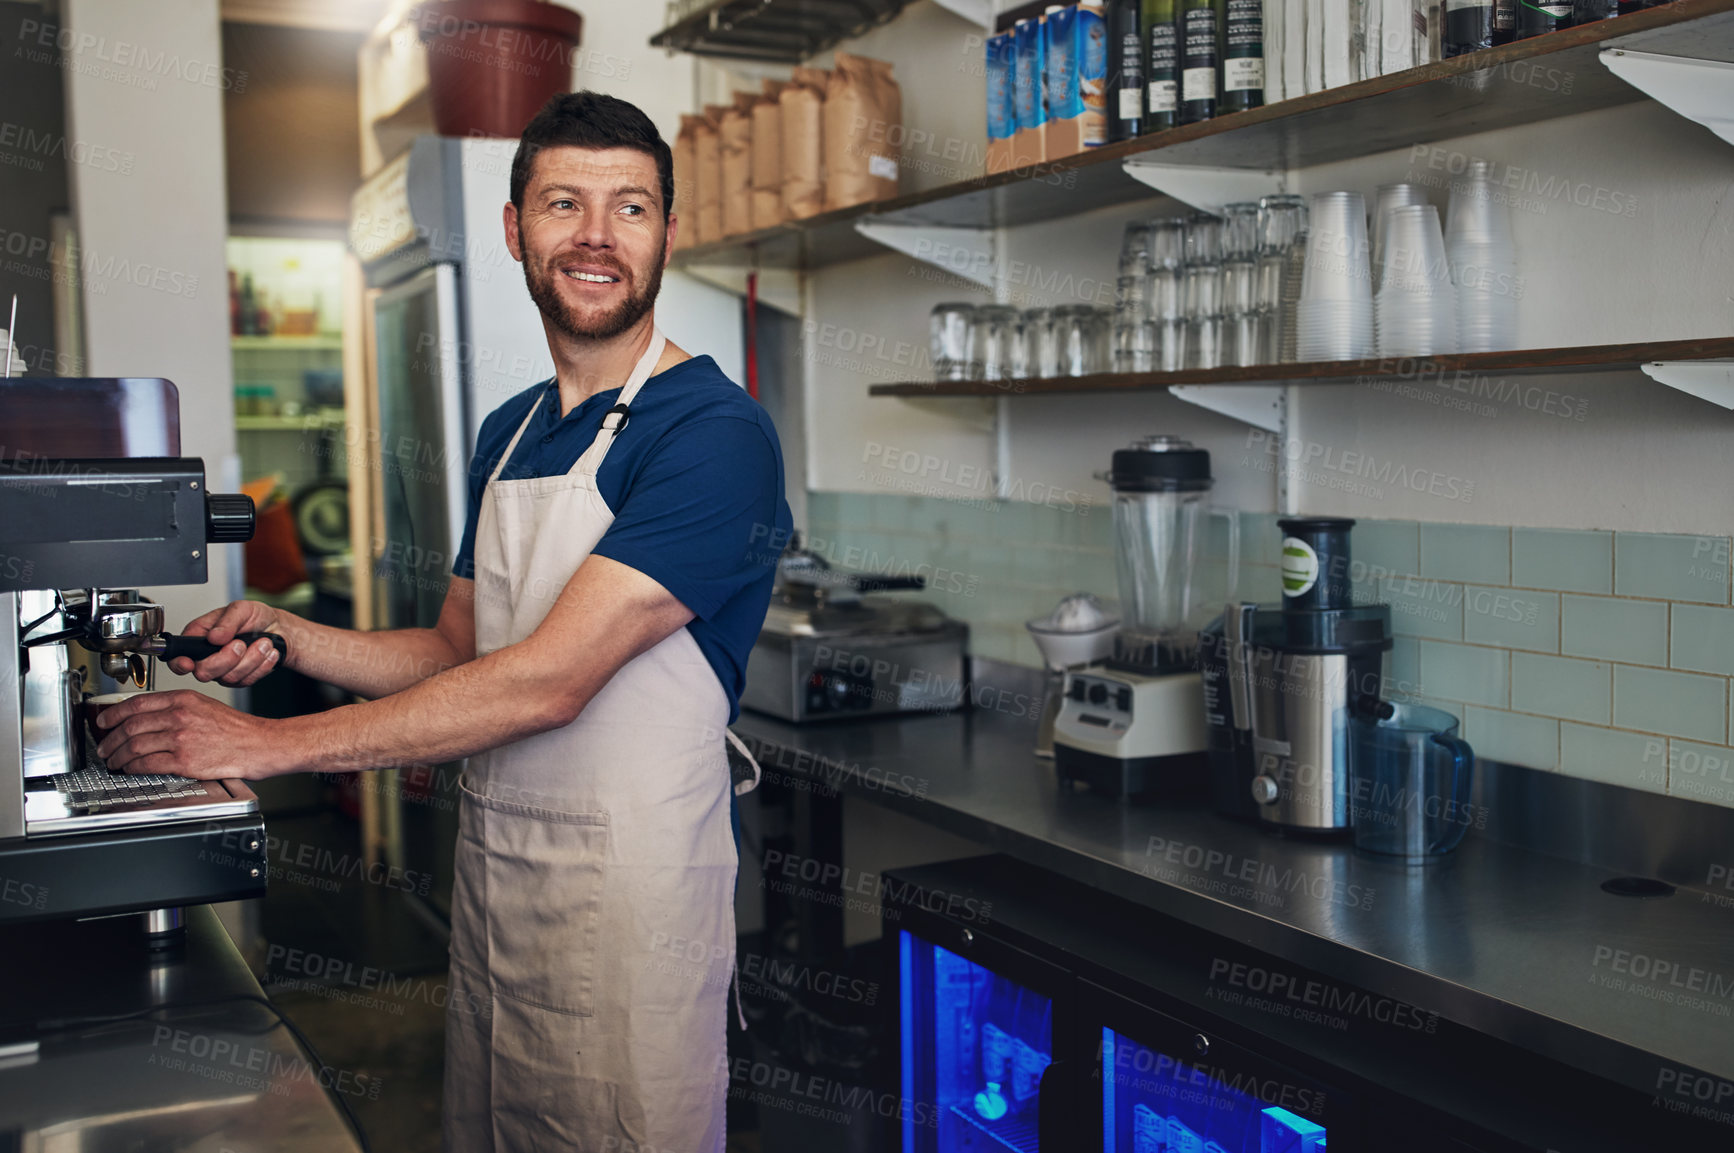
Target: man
{"type": "Point", "coordinates": [587, 660]}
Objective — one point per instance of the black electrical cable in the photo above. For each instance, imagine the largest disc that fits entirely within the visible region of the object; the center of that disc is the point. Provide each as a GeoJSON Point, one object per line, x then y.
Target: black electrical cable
{"type": "Point", "coordinates": [67, 1024]}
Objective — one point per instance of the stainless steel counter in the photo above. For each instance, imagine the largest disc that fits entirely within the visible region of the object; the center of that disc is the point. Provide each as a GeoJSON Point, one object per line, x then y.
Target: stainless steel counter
{"type": "Point", "coordinates": [103, 1047]}
{"type": "Point", "coordinates": [1499, 938]}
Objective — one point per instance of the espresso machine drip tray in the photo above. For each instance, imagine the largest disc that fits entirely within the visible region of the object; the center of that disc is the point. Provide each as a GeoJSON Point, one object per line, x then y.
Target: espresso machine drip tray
{"type": "Point", "coordinates": [94, 799]}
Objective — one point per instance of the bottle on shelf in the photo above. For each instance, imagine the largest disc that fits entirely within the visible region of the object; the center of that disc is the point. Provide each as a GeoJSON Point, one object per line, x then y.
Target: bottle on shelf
{"type": "Point", "coordinates": [1538, 17]}
{"type": "Point", "coordinates": [1589, 11]}
{"type": "Point", "coordinates": [1471, 25]}
{"type": "Point", "coordinates": [1243, 56]}
{"type": "Point", "coordinates": [249, 308]}
{"type": "Point", "coordinates": [1629, 6]}
{"type": "Point", "coordinates": [1200, 60]}
{"type": "Point", "coordinates": [1126, 69]}
{"type": "Point", "coordinates": [1162, 65]}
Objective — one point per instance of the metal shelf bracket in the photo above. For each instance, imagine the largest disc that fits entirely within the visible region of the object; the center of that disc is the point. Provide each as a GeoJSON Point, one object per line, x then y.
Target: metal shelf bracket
{"type": "Point", "coordinates": [1711, 380]}
{"type": "Point", "coordinates": [1206, 189]}
{"type": "Point", "coordinates": [1699, 90]}
{"type": "Point", "coordinates": [1260, 405]}
{"type": "Point", "coordinates": [964, 252]}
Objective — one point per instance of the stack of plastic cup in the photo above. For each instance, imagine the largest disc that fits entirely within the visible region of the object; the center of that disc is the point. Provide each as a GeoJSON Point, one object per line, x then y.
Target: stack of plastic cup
{"type": "Point", "coordinates": [1389, 197]}
{"type": "Point", "coordinates": [1416, 306]}
{"type": "Point", "coordinates": [1483, 263]}
{"type": "Point", "coordinates": [1334, 318]}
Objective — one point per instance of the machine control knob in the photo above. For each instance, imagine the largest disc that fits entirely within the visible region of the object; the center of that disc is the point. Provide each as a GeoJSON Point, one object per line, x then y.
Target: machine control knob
{"type": "Point", "coordinates": [968, 937]}
{"type": "Point", "coordinates": [1079, 691]}
{"type": "Point", "coordinates": [228, 518]}
{"type": "Point", "coordinates": [1098, 694]}
{"type": "Point", "coordinates": [1265, 790]}
{"type": "Point", "coordinates": [1201, 1044]}
{"type": "Point", "coordinates": [1123, 700]}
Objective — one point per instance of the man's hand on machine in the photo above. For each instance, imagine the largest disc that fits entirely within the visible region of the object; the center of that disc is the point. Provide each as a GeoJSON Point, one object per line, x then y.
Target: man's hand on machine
{"type": "Point", "coordinates": [236, 664]}
{"type": "Point", "coordinates": [190, 735]}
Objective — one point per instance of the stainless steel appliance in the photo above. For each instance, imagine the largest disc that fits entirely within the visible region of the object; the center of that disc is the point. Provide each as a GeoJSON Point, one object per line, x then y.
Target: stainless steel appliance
{"type": "Point", "coordinates": [1280, 680]}
{"type": "Point", "coordinates": [1135, 724]}
{"type": "Point", "coordinates": [827, 652]}
{"type": "Point", "coordinates": [84, 524]}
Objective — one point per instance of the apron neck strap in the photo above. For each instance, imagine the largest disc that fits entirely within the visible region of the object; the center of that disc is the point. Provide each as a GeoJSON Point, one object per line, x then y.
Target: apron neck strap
{"type": "Point", "coordinates": [617, 417]}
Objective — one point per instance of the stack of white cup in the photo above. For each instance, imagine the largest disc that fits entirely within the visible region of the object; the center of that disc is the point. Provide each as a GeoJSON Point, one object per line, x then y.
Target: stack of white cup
{"type": "Point", "coordinates": [1334, 319]}
{"type": "Point", "coordinates": [1416, 306]}
{"type": "Point", "coordinates": [1483, 263]}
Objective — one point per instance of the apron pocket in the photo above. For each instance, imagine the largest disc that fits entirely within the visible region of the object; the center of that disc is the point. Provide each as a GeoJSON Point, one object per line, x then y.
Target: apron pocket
{"type": "Point", "coordinates": [544, 879]}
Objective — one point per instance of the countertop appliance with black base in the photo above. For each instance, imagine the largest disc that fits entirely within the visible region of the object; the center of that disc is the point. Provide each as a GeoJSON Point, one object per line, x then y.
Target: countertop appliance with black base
{"type": "Point", "coordinates": [828, 652]}
{"type": "Point", "coordinates": [1279, 680]}
{"type": "Point", "coordinates": [1134, 725]}
{"type": "Point", "coordinates": [95, 504]}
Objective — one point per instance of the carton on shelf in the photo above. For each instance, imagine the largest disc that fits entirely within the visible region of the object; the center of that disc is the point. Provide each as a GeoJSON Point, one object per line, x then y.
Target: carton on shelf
{"type": "Point", "coordinates": [801, 108]}
{"type": "Point", "coordinates": [685, 183]}
{"type": "Point", "coordinates": [1076, 80]}
{"type": "Point", "coordinates": [863, 131]}
{"type": "Point", "coordinates": [1029, 93]}
{"type": "Point", "coordinates": [1002, 116]}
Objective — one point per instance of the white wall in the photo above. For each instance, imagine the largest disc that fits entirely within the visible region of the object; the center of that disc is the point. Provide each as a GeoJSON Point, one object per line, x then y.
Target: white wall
{"type": "Point", "coordinates": [1642, 457]}
{"type": "Point", "coordinates": [155, 282]}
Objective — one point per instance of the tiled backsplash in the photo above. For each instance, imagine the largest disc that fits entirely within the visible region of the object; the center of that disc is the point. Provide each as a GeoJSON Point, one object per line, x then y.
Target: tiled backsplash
{"type": "Point", "coordinates": [1604, 655]}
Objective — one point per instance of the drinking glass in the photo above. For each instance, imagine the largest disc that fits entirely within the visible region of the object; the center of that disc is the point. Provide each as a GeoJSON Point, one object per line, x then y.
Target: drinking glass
{"type": "Point", "coordinates": [1041, 344]}
{"type": "Point", "coordinates": [993, 336]}
{"type": "Point", "coordinates": [1134, 333]}
{"type": "Point", "coordinates": [1389, 198]}
{"type": "Point", "coordinates": [1167, 241]}
{"type": "Point", "coordinates": [948, 333]}
{"type": "Point", "coordinates": [1079, 332]}
{"type": "Point", "coordinates": [1203, 291]}
{"type": "Point", "coordinates": [1334, 318]}
{"type": "Point", "coordinates": [1240, 304]}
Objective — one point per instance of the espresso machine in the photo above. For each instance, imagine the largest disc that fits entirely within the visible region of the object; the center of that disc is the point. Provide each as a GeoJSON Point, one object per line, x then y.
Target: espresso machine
{"type": "Point", "coordinates": [96, 502]}
{"type": "Point", "coordinates": [1280, 681]}
{"type": "Point", "coordinates": [1134, 724]}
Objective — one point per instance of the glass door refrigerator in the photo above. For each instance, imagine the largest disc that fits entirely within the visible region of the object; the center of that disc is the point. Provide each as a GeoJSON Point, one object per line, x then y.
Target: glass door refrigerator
{"type": "Point", "coordinates": [1015, 1034]}
{"type": "Point", "coordinates": [983, 1028]}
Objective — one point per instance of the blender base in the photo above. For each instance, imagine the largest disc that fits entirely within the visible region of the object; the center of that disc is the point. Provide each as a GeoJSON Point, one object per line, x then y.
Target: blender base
{"type": "Point", "coordinates": [1177, 777]}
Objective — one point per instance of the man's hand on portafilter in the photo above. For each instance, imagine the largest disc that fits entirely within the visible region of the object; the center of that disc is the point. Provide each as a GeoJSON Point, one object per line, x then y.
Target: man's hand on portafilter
{"type": "Point", "coordinates": [190, 735]}
{"type": "Point", "coordinates": [236, 665]}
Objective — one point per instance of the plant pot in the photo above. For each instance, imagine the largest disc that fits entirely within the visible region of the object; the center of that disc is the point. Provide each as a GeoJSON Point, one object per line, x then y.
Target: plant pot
{"type": "Point", "coordinates": [492, 64]}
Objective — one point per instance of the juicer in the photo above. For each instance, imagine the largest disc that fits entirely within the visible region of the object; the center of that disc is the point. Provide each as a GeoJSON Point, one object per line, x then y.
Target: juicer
{"type": "Point", "coordinates": [1134, 725]}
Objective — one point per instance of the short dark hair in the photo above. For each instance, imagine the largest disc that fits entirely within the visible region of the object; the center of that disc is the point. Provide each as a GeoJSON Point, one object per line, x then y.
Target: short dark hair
{"type": "Point", "coordinates": [591, 120]}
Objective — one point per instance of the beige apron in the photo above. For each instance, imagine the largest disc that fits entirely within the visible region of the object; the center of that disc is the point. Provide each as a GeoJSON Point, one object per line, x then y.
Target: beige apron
{"type": "Point", "coordinates": [593, 913]}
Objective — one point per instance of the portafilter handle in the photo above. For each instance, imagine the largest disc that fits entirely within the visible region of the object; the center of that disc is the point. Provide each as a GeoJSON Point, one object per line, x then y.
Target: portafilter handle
{"type": "Point", "coordinates": [169, 646]}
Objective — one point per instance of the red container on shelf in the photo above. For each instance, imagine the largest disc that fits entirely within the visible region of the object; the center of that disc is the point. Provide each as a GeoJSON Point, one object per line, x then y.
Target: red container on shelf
{"type": "Point", "coordinates": [492, 64]}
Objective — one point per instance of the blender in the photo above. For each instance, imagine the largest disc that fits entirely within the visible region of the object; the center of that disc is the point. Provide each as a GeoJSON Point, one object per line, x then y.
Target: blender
{"type": "Point", "coordinates": [1134, 725]}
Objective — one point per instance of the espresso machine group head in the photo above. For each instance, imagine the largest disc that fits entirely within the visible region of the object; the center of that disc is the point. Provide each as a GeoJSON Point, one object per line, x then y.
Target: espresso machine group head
{"type": "Point", "coordinates": [96, 504]}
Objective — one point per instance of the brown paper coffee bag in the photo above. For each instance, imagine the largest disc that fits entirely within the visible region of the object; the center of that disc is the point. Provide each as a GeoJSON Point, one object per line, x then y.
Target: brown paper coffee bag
{"type": "Point", "coordinates": [685, 184]}
{"type": "Point", "coordinates": [707, 180]}
{"type": "Point", "coordinates": [863, 131]}
{"type": "Point", "coordinates": [767, 176]}
{"type": "Point", "coordinates": [801, 108]}
{"type": "Point", "coordinates": [735, 145]}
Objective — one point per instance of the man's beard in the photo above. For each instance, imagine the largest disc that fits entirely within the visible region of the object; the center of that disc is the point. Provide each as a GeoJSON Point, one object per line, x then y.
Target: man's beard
{"type": "Point", "coordinates": [560, 313]}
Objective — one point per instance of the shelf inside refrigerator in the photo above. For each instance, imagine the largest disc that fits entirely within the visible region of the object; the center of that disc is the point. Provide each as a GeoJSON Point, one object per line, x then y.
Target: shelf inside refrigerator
{"type": "Point", "coordinates": [1013, 1134]}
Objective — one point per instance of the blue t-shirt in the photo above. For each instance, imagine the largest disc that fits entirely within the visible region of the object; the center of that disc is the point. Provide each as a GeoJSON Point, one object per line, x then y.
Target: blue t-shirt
{"type": "Point", "coordinates": [696, 484]}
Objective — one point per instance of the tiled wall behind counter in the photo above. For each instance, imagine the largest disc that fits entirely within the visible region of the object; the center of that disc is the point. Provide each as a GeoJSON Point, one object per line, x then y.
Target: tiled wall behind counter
{"type": "Point", "coordinates": [1600, 654]}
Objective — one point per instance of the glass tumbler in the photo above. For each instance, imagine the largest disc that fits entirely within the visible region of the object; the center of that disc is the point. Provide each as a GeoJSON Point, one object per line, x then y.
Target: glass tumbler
{"type": "Point", "coordinates": [1240, 305]}
{"type": "Point", "coordinates": [1167, 243]}
{"type": "Point", "coordinates": [1202, 292]}
{"type": "Point", "coordinates": [1079, 330]}
{"type": "Point", "coordinates": [993, 340]}
{"type": "Point", "coordinates": [948, 334]}
{"type": "Point", "coordinates": [1041, 344]}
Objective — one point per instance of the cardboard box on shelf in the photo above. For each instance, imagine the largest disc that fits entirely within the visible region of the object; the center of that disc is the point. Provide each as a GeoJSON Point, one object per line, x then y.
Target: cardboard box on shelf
{"type": "Point", "coordinates": [767, 166]}
{"type": "Point", "coordinates": [801, 108]}
{"type": "Point", "coordinates": [863, 131]}
{"type": "Point", "coordinates": [735, 147]}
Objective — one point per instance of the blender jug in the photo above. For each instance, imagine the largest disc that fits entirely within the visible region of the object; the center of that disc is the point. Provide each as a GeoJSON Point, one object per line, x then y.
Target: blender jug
{"type": "Point", "coordinates": [1160, 487]}
{"type": "Point", "coordinates": [1410, 776]}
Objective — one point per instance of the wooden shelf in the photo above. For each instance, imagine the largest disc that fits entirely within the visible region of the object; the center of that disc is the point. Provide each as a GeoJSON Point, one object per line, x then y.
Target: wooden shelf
{"type": "Point", "coordinates": [1538, 79]}
{"type": "Point", "coordinates": [1425, 370]}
